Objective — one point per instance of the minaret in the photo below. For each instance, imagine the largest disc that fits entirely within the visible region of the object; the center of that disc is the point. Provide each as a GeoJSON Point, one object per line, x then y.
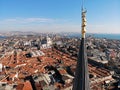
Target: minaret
{"type": "Point", "coordinates": [81, 81]}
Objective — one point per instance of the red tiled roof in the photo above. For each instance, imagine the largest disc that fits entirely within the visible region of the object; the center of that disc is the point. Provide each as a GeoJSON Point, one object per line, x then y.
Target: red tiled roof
{"type": "Point", "coordinates": [62, 71]}
{"type": "Point", "coordinates": [20, 87]}
{"type": "Point", "coordinates": [27, 86]}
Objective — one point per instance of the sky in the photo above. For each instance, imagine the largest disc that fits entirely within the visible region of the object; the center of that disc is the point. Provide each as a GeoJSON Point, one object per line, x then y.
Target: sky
{"type": "Point", "coordinates": [103, 16]}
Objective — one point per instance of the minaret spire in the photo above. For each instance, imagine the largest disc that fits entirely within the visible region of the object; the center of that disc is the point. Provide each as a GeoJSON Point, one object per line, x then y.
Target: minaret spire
{"type": "Point", "coordinates": [83, 31]}
{"type": "Point", "coordinates": [83, 14]}
{"type": "Point", "coordinates": [81, 81]}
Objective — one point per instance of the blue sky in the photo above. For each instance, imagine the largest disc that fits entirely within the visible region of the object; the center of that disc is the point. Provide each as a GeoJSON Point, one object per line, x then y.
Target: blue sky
{"type": "Point", "coordinates": [103, 16]}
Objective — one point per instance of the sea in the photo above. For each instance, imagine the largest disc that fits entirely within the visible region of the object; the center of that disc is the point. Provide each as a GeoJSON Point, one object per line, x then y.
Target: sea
{"type": "Point", "coordinates": [106, 36]}
{"type": "Point", "coordinates": [2, 37]}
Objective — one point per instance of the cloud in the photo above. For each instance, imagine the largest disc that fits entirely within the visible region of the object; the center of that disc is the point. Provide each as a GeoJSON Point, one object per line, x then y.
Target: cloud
{"type": "Point", "coordinates": [53, 25]}
{"type": "Point", "coordinates": [26, 20]}
{"type": "Point", "coordinates": [36, 24]}
{"type": "Point", "coordinates": [104, 28]}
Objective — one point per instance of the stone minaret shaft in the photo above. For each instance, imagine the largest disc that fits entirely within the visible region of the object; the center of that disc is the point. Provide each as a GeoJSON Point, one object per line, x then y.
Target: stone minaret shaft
{"type": "Point", "coordinates": [81, 81]}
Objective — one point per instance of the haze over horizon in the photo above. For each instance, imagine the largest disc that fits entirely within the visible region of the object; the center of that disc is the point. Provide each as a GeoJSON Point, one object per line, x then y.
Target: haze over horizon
{"type": "Point", "coordinates": [59, 15]}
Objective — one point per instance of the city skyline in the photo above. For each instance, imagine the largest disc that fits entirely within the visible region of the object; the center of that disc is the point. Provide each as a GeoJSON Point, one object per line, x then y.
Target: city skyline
{"type": "Point", "coordinates": [59, 15]}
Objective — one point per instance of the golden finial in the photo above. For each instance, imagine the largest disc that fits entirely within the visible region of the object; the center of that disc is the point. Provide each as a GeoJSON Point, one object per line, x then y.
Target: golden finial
{"type": "Point", "coordinates": [83, 23]}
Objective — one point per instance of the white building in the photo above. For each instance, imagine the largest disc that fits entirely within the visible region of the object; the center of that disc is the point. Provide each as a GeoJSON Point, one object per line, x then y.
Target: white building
{"type": "Point", "coordinates": [49, 41]}
{"type": "Point", "coordinates": [27, 43]}
{"type": "Point", "coordinates": [37, 53]}
{"type": "Point", "coordinates": [46, 43]}
{"type": "Point", "coordinates": [1, 67]}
